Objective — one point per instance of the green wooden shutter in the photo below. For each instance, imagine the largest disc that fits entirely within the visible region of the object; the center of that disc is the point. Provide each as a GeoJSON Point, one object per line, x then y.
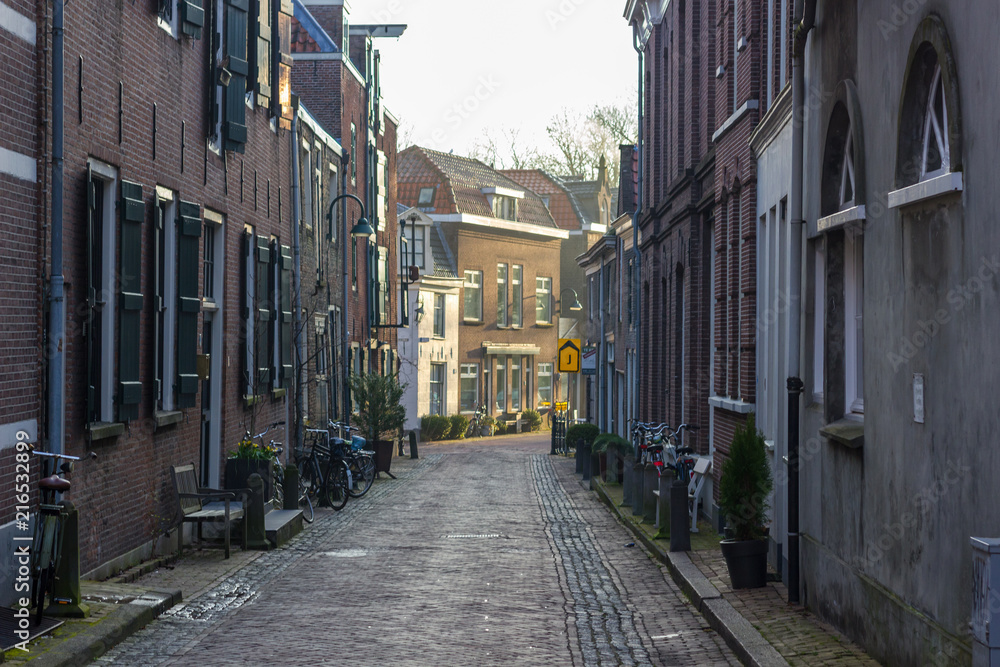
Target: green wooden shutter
{"type": "Point", "coordinates": [188, 303]}
{"type": "Point", "coordinates": [192, 17]}
{"type": "Point", "coordinates": [263, 297]}
{"type": "Point", "coordinates": [263, 53]}
{"type": "Point", "coordinates": [159, 243]}
{"type": "Point", "coordinates": [92, 313]}
{"type": "Point", "coordinates": [246, 316]}
{"type": "Point", "coordinates": [133, 212]}
{"type": "Point", "coordinates": [235, 129]}
{"type": "Point", "coordinates": [286, 315]}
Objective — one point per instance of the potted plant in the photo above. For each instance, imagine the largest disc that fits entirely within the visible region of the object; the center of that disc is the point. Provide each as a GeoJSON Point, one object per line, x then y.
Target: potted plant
{"type": "Point", "coordinates": [248, 458]}
{"type": "Point", "coordinates": [486, 425]}
{"type": "Point", "coordinates": [744, 489]}
{"type": "Point", "coordinates": [380, 415]}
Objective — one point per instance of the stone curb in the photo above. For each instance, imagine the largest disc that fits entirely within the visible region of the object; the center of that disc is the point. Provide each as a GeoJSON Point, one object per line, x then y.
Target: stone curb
{"type": "Point", "coordinates": [94, 641]}
{"type": "Point", "coordinates": [741, 637]}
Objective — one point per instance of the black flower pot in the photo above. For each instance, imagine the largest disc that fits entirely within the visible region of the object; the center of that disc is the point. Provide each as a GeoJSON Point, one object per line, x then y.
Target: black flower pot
{"type": "Point", "coordinates": [238, 471]}
{"type": "Point", "coordinates": [747, 562]}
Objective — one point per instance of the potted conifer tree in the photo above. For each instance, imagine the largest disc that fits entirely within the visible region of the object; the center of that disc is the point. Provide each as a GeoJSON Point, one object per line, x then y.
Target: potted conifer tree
{"type": "Point", "coordinates": [744, 491]}
{"type": "Point", "coordinates": [380, 415]}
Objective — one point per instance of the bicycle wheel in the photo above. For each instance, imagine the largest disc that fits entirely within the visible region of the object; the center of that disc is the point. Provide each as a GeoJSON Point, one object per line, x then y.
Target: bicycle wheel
{"type": "Point", "coordinates": [362, 468]}
{"type": "Point", "coordinates": [277, 486]}
{"type": "Point", "coordinates": [305, 503]}
{"type": "Point", "coordinates": [310, 477]}
{"type": "Point", "coordinates": [337, 484]}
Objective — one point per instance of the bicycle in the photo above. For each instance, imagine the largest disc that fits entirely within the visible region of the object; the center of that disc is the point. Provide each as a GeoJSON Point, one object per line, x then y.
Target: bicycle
{"type": "Point", "coordinates": [272, 449]}
{"type": "Point", "coordinates": [330, 485]}
{"type": "Point", "coordinates": [360, 461]}
{"type": "Point", "coordinates": [477, 422]}
{"type": "Point", "coordinates": [46, 544]}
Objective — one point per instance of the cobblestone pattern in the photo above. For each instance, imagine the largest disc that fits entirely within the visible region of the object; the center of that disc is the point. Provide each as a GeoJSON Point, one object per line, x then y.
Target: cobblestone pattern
{"type": "Point", "coordinates": [671, 630]}
{"type": "Point", "coordinates": [180, 628]}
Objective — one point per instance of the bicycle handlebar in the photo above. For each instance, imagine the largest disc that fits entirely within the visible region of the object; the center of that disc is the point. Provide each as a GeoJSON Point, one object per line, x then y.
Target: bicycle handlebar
{"type": "Point", "coordinates": [65, 457]}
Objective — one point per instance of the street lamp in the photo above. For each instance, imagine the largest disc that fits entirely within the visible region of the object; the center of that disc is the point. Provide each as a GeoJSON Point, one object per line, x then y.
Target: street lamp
{"type": "Point", "coordinates": [576, 306]}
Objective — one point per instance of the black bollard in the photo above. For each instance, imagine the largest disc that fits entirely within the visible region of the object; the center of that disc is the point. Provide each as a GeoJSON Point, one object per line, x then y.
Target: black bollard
{"type": "Point", "coordinates": [583, 456]}
{"type": "Point", "coordinates": [413, 445]}
{"type": "Point", "coordinates": [680, 530]}
{"type": "Point", "coordinates": [254, 515]}
{"type": "Point", "coordinates": [291, 486]}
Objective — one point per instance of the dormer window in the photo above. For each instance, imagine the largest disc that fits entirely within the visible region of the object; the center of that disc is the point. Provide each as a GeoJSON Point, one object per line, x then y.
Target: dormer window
{"type": "Point", "coordinates": [504, 208]}
{"type": "Point", "coordinates": [426, 197]}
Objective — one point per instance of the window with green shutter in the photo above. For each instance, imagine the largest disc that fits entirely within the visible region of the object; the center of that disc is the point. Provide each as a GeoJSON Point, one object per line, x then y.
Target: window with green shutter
{"type": "Point", "coordinates": [133, 213]}
{"type": "Point", "coordinates": [188, 302]}
{"type": "Point", "coordinates": [246, 313]}
{"type": "Point", "coordinates": [286, 316]}
{"type": "Point", "coordinates": [281, 63]}
{"type": "Point", "coordinates": [262, 53]}
{"type": "Point", "coordinates": [263, 299]}
{"type": "Point", "coordinates": [235, 129]}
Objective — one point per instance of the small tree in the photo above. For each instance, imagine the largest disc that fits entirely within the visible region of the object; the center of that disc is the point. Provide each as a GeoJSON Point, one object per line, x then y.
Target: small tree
{"type": "Point", "coordinates": [378, 398]}
{"type": "Point", "coordinates": [746, 483]}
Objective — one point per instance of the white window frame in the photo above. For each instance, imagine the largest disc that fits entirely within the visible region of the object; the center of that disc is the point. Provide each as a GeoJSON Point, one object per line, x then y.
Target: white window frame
{"type": "Point", "coordinates": [476, 287]}
{"type": "Point", "coordinates": [469, 372]}
{"type": "Point", "coordinates": [854, 323]}
{"type": "Point", "coordinates": [171, 27]}
{"type": "Point", "coordinates": [442, 402]}
{"type": "Point", "coordinates": [250, 262]}
{"type": "Point", "coordinates": [515, 383]}
{"type": "Point", "coordinates": [106, 291]}
{"type": "Point", "coordinates": [544, 371]}
{"type": "Point", "coordinates": [215, 141]}
{"type": "Point", "coordinates": [543, 294]}
{"type": "Point", "coordinates": [168, 309]}
{"type": "Point", "coordinates": [501, 385]}
{"type": "Point", "coordinates": [429, 199]}
{"type": "Point", "coordinates": [935, 128]}
{"type": "Point", "coordinates": [307, 191]}
{"type": "Point", "coordinates": [517, 296]}
{"type": "Point", "coordinates": [440, 322]}
{"type": "Point", "coordinates": [504, 289]}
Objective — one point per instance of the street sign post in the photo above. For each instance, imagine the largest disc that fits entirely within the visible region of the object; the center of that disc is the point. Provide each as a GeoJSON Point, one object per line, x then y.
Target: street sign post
{"type": "Point", "coordinates": [588, 360]}
{"type": "Point", "coordinates": [569, 355]}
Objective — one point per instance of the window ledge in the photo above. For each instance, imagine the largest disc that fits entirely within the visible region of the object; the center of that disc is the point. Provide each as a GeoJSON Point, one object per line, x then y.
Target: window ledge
{"type": "Point", "coordinates": [209, 305]}
{"type": "Point", "coordinates": [925, 190]}
{"type": "Point", "coordinates": [167, 417]}
{"type": "Point", "coordinates": [278, 393]}
{"type": "Point", "coordinates": [250, 401]}
{"type": "Point", "coordinates": [104, 430]}
{"type": "Point", "coordinates": [847, 432]}
{"type": "Point", "coordinates": [731, 404]}
{"type": "Point", "coordinates": [472, 322]}
{"type": "Point", "coordinates": [544, 325]}
{"type": "Point", "coordinates": [841, 218]}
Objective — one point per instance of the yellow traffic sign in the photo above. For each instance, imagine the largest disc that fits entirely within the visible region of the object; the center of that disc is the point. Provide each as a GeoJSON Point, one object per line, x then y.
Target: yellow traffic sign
{"type": "Point", "coordinates": [569, 355]}
{"type": "Point", "coordinates": [562, 405]}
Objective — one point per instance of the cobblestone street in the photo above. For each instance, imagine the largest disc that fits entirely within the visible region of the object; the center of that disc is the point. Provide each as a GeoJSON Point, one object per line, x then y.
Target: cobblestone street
{"type": "Point", "coordinates": [489, 552]}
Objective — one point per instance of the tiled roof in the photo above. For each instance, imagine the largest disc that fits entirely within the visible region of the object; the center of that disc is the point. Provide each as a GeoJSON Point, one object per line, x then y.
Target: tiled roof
{"type": "Point", "coordinates": [401, 208]}
{"type": "Point", "coordinates": [585, 195]}
{"type": "Point", "coordinates": [459, 182]}
{"type": "Point", "coordinates": [564, 208]}
{"type": "Point", "coordinates": [307, 34]}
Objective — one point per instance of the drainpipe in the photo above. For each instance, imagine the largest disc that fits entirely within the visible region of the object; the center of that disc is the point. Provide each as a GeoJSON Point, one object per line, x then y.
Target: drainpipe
{"type": "Point", "coordinates": [635, 231]}
{"type": "Point", "coordinates": [296, 276]}
{"type": "Point", "coordinates": [345, 160]}
{"type": "Point", "coordinates": [804, 18]}
{"type": "Point", "coordinates": [57, 298]}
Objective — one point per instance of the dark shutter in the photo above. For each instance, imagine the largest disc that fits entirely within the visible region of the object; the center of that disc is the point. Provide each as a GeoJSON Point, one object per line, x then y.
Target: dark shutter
{"type": "Point", "coordinates": [192, 17]}
{"type": "Point", "coordinates": [188, 303]}
{"type": "Point", "coordinates": [133, 212]}
{"type": "Point", "coordinates": [286, 315]}
{"type": "Point", "coordinates": [246, 315]}
{"type": "Point", "coordinates": [92, 312]}
{"type": "Point", "coordinates": [262, 52]}
{"type": "Point", "coordinates": [159, 243]}
{"type": "Point", "coordinates": [263, 297]}
{"type": "Point", "coordinates": [235, 129]}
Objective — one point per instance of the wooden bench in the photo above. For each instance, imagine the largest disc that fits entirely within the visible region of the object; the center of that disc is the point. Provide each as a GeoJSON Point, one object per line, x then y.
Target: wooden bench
{"type": "Point", "coordinates": [702, 468]}
{"type": "Point", "coordinates": [197, 504]}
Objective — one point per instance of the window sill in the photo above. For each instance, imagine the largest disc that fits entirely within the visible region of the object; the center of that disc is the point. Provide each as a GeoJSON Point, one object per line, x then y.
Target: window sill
{"type": "Point", "coordinates": [926, 190]}
{"type": "Point", "coordinates": [472, 322]}
{"type": "Point", "coordinates": [544, 325]}
{"type": "Point", "coordinates": [104, 430]}
{"type": "Point", "coordinates": [250, 401]}
{"type": "Point", "coordinates": [731, 404]}
{"type": "Point", "coordinates": [209, 305]}
{"type": "Point", "coordinates": [167, 417]}
{"type": "Point", "coordinates": [847, 432]}
{"type": "Point", "coordinates": [841, 218]}
{"type": "Point", "coordinates": [278, 393]}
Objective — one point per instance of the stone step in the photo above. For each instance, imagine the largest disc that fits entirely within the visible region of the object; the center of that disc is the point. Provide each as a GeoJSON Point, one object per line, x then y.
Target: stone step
{"type": "Point", "coordinates": [282, 525]}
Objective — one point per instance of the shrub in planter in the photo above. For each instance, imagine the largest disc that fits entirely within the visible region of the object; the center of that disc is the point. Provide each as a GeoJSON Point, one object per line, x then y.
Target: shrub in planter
{"type": "Point", "coordinates": [609, 442]}
{"type": "Point", "coordinates": [532, 420]}
{"type": "Point", "coordinates": [585, 432]}
{"type": "Point", "coordinates": [744, 488]}
{"type": "Point", "coordinates": [499, 428]}
{"type": "Point", "coordinates": [459, 425]}
{"type": "Point", "coordinates": [487, 425]}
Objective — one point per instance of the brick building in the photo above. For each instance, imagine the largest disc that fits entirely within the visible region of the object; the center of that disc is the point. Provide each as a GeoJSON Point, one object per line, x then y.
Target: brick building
{"type": "Point", "coordinates": [25, 178]}
{"type": "Point", "coordinates": [507, 248]}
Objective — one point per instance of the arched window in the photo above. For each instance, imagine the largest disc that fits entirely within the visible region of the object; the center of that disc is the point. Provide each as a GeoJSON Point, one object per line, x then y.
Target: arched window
{"type": "Point", "coordinates": [936, 154]}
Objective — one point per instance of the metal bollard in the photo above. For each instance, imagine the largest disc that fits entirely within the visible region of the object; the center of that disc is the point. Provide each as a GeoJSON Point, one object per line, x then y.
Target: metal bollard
{"type": "Point", "coordinates": [583, 456]}
{"type": "Point", "coordinates": [650, 483]}
{"type": "Point", "coordinates": [291, 486]}
{"type": "Point", "coordinates": [413, 445]}
{"type": "Point", "coordinates": [680, 530]}
{"type": "Point", "coordinates": [67, 582]}
{"type": "Point", "coordinates": [627, 465]}
{"type": "Point", "coordinates": [254, 520]}
{"type": "Point", "coordinates": [638, 480]}
{"type": "Point", "coordinates": [663, 507]}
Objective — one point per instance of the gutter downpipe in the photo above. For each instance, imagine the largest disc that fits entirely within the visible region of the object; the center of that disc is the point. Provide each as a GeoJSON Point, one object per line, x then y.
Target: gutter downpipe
{"type": "Point", "coordinates": [804, 18]}
{"type": "Point", "coordinates": [344, 237]}
{"type": "Point", "coordinates": [636, 278]}
{"type": "Point", "coordinates": [57, 296]}
{"type": "Point", "coordinates": [296, 277]}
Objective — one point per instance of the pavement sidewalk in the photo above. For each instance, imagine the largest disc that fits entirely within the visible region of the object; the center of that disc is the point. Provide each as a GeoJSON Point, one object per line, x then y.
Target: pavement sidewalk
{"type": "Point", "coordinates": [123, 605]}
{"type": "Point", "coordinates": [757, 624]}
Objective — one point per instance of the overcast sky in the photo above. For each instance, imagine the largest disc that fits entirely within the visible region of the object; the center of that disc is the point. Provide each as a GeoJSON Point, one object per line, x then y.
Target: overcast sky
{"type": "Point", "coordinates": [465, 65]}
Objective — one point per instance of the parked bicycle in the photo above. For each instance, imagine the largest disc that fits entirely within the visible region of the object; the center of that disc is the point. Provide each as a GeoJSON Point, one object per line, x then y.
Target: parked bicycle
{"type": "Point", "coordinates": [46, 544]}
{"type": "Point", "coordinates": [360, 461]}
{"type": "Point", "coordinates": [477, 422]}
{"type": "Point", "coordinates": [325, 476]}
